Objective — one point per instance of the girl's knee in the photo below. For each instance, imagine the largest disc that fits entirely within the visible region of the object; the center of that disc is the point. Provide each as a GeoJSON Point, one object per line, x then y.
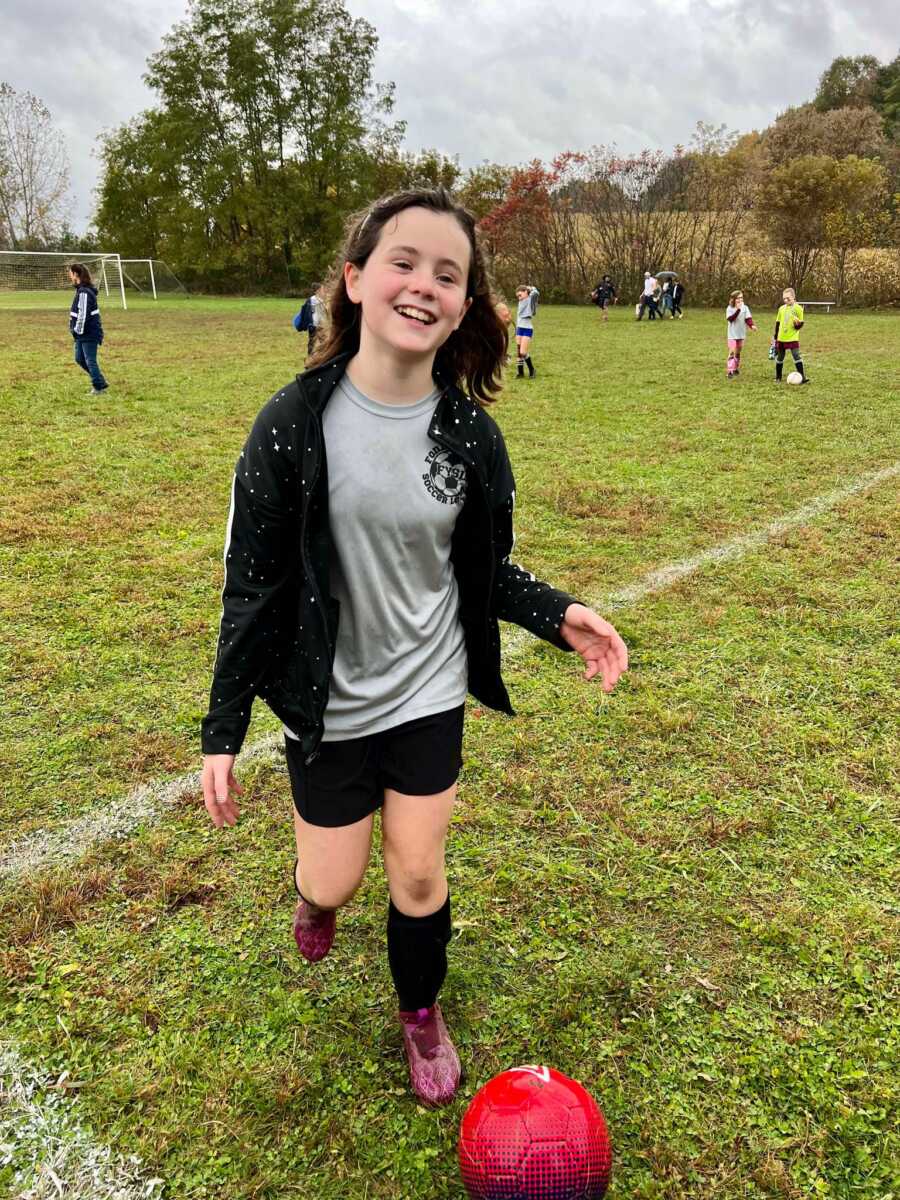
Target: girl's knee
{"type": "Point", "coordinates": [323, 890]}
{"type": "Point", "coordinates": [418, 897]}
{"type": "Point", "coordinates": [415, 881]}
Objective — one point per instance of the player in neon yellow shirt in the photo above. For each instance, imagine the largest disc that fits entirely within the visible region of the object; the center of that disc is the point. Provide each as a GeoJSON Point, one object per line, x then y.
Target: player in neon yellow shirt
{"type": "Point", "coordinates": [788, 324]}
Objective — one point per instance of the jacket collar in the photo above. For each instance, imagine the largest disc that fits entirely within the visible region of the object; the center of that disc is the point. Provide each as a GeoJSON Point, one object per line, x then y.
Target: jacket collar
{"type": "Point", "coordinates": [317, 384]}
{"type": "Point", "coordinates": [452, 410]}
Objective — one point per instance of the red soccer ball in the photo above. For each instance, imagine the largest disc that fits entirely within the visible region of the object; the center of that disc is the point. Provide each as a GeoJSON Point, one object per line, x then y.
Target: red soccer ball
{"type": "Point", "coordinates": [534, 1134]}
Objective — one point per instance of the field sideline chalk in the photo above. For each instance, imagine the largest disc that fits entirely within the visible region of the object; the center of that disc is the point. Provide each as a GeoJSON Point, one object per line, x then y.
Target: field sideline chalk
{"type": "Point", "coordinates": [38, 1124]}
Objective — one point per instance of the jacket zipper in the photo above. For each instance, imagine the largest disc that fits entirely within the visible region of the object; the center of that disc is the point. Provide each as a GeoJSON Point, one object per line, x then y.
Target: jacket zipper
{"type": "Point", "coordinates": [317, 596]}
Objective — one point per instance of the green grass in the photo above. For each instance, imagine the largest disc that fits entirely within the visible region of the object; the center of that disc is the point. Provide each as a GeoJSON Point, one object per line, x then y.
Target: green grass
{"type": "Point", "coordinates": [685, 895]}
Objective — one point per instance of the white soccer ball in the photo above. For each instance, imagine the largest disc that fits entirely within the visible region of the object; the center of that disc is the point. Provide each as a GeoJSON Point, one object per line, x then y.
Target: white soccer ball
{"type": "Point", "coordinates": [795, 377]}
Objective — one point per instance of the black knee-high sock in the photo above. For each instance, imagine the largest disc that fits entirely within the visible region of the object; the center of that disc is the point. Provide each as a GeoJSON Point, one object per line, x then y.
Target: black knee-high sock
{"type": "Point", "coordinates": [417, 953]}
{"type": "Point", "coordinates": [798, 363]}
{"type": "Point", "coordinates": [520, 366]}
{"type": "Point", "coordinates": [530, 365]}
{"type": "Point", "coordinates": [779, 367]}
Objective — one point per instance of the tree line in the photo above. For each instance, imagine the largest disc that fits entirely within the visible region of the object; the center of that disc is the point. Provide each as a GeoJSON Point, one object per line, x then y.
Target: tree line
{"type": "Point", "coordinates": [269, 129]}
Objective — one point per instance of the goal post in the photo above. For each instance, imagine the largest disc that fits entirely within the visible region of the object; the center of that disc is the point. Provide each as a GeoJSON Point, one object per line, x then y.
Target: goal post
{"type": "Point", "coordinates": [47, 271]}
{"type": "Point", "coordinates": [152, 276]}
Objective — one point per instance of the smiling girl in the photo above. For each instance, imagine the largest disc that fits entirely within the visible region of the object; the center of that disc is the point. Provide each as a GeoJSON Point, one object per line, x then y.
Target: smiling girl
{"type": "Point", "coordinates": [366, 566]}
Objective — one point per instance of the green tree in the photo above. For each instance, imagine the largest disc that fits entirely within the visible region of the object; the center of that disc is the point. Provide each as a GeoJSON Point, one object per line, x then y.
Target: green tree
{"type": "Point", "coordinates": [263, 139]}
{"type": "Point", "coordinates": [484, 187]}
{"type": "Point", "coordinates": [399, 171]}
{"type": "Point", "coordinates": [857, 212]}
{"type": "Point", "coordinates": [792, 207]}
{"type": "Point", "coordinates": [849, 82]}
{"type": "Point", "coordinates": [136, 191]}
{"type": "Point", "coordinates": [887, 96]}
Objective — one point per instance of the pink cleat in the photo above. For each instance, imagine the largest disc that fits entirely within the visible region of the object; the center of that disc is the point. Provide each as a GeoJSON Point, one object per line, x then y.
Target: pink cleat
{"type": "Point", "coordinates": [434, 1069]}
{"type": "Point", "coordinates": [313, 930]}
{"type": "Point", "coordinates": [313, 927]}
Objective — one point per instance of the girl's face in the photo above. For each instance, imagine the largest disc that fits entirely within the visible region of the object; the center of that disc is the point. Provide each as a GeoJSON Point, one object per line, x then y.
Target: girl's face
{"type": "Point", "coordinates": [787, 297]}
{"type": "Point", "coordinates": [73, 278]}
{"type": "Point", "coordinates": [412, 288]}
{"type": "Point", "coordinates": [739, 298]}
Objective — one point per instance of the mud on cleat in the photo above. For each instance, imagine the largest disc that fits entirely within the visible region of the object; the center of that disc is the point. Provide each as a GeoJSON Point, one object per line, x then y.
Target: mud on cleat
{"type": "Point", "coordinates": [434, 1070]}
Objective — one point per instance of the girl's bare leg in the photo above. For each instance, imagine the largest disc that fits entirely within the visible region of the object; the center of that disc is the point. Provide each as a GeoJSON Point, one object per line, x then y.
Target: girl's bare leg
{"type": "Point", "coordinates": [414, 834]}
{"type": "Point", "coordinates": [331, 862]}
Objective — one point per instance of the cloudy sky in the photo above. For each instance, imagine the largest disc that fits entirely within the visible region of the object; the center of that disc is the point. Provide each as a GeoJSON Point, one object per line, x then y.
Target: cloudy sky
{"type": "Point", "coordinates": [483, 79]}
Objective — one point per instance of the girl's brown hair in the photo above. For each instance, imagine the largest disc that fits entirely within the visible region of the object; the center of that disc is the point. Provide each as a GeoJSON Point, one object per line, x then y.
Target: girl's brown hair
{"type": "Point", "coordinates": [84, 275]}
{"type": "Point", "coordinates": [473, 355]}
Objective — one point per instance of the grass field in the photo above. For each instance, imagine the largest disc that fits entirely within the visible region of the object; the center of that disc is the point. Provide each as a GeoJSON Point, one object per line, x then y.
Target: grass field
{"type": "Point", "coordinates": [684, 895]}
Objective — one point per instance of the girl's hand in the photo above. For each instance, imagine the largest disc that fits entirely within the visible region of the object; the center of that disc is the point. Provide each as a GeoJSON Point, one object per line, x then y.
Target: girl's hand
{"type": "Point", "coordinates": [597, 642]}
{"type": "Point", "coordinates": [218, 784]}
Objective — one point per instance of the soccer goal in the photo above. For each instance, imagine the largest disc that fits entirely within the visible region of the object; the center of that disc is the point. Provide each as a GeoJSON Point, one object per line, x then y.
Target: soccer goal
{"type": "Point", "coordinates": [152, 276]}
{"type": "Point", "coordinates": [47, 271]}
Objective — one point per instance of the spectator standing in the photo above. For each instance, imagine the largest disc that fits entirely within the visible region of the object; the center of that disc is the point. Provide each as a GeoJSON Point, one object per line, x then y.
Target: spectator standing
{"type": "Point", "coordinates": [677, 295]}
{"type": "Point", "coordinates": [667, 300]}
{"type": "Point", "coordinates": [648, 297]}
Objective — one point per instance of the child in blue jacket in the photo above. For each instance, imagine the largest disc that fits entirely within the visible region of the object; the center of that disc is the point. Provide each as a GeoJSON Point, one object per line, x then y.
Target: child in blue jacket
{"type": "Point", "coordinates": [85, 325]}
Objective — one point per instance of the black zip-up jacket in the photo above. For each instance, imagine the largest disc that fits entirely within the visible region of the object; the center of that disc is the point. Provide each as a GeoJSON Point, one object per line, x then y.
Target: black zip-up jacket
{"type": "Point", "coordinates": [605, 290]}
{"type": "Point", "coordinates": [279, 621]}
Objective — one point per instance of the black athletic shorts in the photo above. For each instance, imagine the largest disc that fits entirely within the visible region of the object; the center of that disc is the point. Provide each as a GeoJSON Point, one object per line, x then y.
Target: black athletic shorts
{"type": "Point", "coordinates": [346, 780]}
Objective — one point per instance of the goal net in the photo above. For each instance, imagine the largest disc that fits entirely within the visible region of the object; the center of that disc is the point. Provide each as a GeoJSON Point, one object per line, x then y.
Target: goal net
{"type": "Point", "coordinates": [48, 271]}
{"type": "Point", "coordinates": [151, 277]}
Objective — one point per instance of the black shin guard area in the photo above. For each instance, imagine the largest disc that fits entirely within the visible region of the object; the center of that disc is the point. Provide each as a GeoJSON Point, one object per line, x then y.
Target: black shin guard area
{"type": "Point", "coordinates": [417, 953]}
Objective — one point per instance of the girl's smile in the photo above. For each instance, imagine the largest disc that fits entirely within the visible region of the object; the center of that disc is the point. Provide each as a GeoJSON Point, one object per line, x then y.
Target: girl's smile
{"type": "Point", "coordinates": [413, 287]}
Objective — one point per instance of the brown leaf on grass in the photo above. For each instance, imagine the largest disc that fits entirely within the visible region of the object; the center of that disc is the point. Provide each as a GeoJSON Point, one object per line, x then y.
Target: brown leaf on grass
{"type": "Point", "coordinates": [773, 1177]}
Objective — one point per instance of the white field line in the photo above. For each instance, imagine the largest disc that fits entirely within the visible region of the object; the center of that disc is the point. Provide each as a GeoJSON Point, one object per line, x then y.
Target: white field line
{"type": "Point", "coordinates": [49, 1151]}
{"type": "Point", "coordinates": [147, 802]}
{"type": "Point", "coordinates": [142, 806]}
{"type": "Point", "coordinates": [666, 577]}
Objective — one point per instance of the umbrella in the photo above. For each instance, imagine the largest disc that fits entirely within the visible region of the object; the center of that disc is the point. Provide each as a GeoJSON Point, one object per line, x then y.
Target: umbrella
{"type": "Point", "coordinates": [666, 274]}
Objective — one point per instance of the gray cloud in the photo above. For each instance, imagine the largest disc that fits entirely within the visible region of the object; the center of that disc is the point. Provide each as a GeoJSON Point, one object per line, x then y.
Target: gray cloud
{"type": "Point", "coordinates": [86, 65]}
{"type": "Point", "coordinates": [481, 79]}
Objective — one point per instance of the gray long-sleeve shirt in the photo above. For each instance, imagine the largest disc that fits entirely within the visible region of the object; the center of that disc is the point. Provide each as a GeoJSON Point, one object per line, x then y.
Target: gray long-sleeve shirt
{"type": "Point", "coordinates": [525, 312]}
